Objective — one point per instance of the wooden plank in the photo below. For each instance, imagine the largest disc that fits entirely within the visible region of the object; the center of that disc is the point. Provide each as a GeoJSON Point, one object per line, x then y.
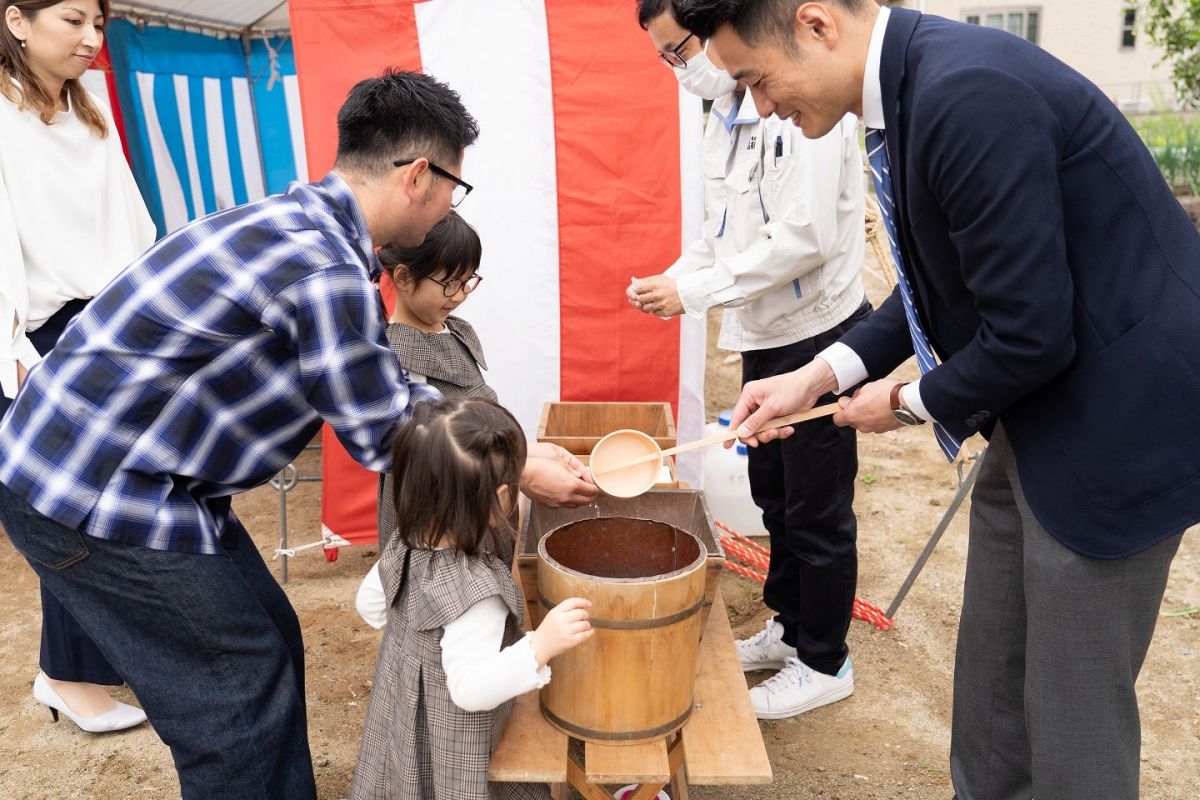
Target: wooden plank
{"type": "Point", "coordinates": [627, 763]}
{"type": "Point", "coordinates": [577, 426]}
{"type": "Point", "coordinates": [722, 742]}
{"type": "Point", "coordinates": [530, 749]}
{"type": "Point", "coordinates": [582, 785]}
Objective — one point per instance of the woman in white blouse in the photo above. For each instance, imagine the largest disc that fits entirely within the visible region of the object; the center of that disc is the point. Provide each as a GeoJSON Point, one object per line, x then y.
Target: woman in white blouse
{"type": "Point", "coordinates": [71, 218]}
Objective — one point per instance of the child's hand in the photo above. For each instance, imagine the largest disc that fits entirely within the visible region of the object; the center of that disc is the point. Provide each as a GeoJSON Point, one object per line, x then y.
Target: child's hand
{"type": "Point", "coordinates": [564, 626]}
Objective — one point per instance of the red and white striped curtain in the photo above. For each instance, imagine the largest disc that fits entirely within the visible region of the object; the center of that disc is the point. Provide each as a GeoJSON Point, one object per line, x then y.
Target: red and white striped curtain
{"type": "Point", "coordinates": [586, 173]}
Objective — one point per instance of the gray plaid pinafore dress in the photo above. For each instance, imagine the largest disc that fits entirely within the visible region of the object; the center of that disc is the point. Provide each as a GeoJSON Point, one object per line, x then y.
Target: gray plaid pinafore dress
{"type": "Point", "coordinates": [417, 744]}
{"type": "Point", "coordinates": [452, 362]}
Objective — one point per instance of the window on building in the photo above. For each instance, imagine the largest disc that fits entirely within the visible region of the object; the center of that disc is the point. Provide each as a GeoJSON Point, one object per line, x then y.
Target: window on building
{"type": "Point", "coordinates": [1129, 27]}
{"type": "Point", "coordinates": [1020, 21]}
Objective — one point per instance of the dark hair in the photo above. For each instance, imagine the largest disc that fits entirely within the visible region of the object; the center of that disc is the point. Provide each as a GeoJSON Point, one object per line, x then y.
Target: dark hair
{"type": "Point", "coordinates": [648, 10]}
{"type": "Point", "coordinates": [752, 20]}
{"type": "Point", "coordinates": [448, 462]}
{"type": "Point", "coordinates": [401, 115]}
{"type": "Point", "coordinates": [29, 91]}
{"type": "Point", "coordinates": [451, 246]}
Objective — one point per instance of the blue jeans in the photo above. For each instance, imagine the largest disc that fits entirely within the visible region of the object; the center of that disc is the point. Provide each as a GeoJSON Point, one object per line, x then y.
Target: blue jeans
{"type": "Point", "coordinates": [208, 643]}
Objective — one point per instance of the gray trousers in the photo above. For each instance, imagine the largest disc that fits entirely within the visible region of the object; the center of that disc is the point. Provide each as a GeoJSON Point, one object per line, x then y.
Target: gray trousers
{"type": "Point", "coordinates": [1049, 646]}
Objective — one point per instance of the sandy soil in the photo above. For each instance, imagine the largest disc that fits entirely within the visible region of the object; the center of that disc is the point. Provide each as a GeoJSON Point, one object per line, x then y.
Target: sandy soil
{"type": "Point", "coordinates": [889, 740]}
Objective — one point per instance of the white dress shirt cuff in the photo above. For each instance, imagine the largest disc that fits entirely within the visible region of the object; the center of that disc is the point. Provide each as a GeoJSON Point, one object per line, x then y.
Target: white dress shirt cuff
{"type": "Point", "coordinates": [847, 367]}
{"type": "Point", "coordinates": [910, 396]}
{"type": "Point", "coordinates": [690, 287]}
{"type": "Point", "coordinates": [22, 351]}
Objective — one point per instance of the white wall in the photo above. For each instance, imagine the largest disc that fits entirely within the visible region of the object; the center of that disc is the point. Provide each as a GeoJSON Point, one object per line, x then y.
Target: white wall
{"type": "Point", "coordinates": [1087, 35]}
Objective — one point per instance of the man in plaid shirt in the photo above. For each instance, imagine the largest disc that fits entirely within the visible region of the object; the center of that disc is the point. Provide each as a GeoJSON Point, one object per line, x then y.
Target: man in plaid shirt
{"type": "Point", "coordinates": [198, 373]}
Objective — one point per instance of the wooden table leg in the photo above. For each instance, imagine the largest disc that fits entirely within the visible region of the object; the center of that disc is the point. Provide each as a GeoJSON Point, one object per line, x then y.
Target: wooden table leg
{"type": "Point", "coordinates": [647, 791]}
{"type": "Point", "coordinates": [679, 786]}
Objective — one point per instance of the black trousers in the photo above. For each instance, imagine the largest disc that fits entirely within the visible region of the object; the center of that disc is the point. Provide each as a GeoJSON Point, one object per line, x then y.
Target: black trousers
{"type": "Point", "coordinates": [805, 487]}
{"type": "Point", "coordinates": [68, 654]}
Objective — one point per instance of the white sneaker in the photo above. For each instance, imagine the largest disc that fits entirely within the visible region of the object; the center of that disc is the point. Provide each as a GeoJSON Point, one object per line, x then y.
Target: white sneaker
{"type": "Point", "coordinates": [765, 650]}
{"type": "Point", "coordinates": [796, 688]}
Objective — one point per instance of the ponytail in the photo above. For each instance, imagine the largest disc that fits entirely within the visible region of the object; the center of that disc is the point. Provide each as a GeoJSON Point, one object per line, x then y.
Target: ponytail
{"type": "Point", "coordinates": [449, 465]}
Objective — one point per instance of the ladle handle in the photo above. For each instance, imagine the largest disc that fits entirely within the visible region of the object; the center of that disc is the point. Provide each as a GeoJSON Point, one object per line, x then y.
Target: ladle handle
{"type": "Point", "coordinates": [778, 422]}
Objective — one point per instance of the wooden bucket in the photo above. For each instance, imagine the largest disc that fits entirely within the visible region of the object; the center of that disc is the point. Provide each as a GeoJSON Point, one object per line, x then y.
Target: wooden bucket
{"type": "Point", "coordinates": [633, 680]}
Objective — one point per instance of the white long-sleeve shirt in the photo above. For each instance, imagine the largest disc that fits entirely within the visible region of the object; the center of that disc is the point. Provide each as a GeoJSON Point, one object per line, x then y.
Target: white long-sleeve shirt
{"type": "Point", "coordinates": [71, 218]}
{"type": "Point", "coordinates": [783, 236]}
{"type": "Point", "coordinates": [480, 674]}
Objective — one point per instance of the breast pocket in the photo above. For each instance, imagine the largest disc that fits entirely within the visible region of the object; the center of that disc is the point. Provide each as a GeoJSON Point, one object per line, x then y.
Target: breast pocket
{"type": "Point", "coordinates": [776, 200]}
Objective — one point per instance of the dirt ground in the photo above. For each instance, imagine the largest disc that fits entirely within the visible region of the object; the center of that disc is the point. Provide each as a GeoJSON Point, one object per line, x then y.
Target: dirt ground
{"type": "Point", "coordinates": [889, 740]}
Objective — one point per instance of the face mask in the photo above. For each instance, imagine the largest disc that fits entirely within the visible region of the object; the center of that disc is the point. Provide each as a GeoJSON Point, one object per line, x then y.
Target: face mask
{"type": "Point", "coordinates": [703, 79]}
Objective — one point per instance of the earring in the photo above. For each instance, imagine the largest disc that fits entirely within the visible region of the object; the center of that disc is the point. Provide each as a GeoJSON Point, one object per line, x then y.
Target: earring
{"type": "Point", "coordinates": [22, 44]}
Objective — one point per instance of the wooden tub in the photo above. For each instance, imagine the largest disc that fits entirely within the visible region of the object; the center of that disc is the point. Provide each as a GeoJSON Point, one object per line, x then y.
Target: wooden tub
{"type": "Point", "coordinates": [633, 680]}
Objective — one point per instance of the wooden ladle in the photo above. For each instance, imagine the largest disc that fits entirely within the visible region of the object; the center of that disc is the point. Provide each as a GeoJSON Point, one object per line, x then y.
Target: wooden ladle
{"type": "Point", "coordinates": [616, 446]}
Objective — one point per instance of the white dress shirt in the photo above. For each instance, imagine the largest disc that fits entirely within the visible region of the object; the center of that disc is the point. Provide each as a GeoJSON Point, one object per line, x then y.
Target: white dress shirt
{"type": "Point", "coordinates": [71, 218]}
{"type": "Point", "coordinates": [479, 673]}
{"type": "Point", "coordinates": [846, 364]}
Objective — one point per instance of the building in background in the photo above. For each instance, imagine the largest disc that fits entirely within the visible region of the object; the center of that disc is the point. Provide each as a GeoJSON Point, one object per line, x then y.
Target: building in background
{"type": "Point", "coordinates": [1103, 39]}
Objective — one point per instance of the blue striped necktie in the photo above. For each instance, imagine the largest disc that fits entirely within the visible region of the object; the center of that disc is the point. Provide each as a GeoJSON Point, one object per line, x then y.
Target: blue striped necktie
{"type": "Point", "coordinates": [878, 158]}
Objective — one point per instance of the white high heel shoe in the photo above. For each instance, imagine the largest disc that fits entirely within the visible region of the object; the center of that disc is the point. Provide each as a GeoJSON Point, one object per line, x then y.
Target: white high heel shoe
{"type": "Point", "coordinates": [122, 717]}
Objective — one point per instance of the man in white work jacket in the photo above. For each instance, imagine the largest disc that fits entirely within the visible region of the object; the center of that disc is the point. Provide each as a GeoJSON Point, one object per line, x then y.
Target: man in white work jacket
{"type": "Point", "coordinates": [781, 253]}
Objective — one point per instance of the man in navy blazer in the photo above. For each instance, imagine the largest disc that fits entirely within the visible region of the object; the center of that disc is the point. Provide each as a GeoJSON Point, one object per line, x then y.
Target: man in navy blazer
{"type": "Point", "coordinates": [1057, 280]}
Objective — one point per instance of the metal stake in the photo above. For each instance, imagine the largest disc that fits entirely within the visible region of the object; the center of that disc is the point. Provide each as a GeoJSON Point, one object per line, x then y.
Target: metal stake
{"type": "Point", "coordinates": [964, 486]}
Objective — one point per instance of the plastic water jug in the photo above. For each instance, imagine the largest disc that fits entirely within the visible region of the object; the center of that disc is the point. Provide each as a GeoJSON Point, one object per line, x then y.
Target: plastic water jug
{"type": "Point", "coordinates": [727, 484]}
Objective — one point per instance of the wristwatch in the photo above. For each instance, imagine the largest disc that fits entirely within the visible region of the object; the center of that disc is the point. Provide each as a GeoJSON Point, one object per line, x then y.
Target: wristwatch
{"type": "Point", "coordinates": [902, 414]}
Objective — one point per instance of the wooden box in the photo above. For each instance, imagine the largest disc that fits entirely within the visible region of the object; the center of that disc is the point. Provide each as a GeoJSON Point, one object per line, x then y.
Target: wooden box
{"type": "Point", "coordinates": [578, 426]}
{"type": "Point", "coordinates": [683, 508]}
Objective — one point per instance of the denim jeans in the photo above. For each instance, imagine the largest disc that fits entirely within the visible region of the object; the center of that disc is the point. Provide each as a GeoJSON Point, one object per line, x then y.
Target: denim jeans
{"type": "Point", "coordinates": [208, 643]}
{"type": "Point", "coordinates": [805, 487]}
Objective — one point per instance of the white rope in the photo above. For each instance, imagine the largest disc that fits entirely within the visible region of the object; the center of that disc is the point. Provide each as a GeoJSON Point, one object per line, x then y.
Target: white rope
{"type": "Point", "coordinates": [327, 540]}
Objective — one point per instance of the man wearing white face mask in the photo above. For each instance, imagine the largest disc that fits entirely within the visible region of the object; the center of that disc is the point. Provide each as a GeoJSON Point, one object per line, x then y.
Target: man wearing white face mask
{"type": "Point", "coordinates": [781, 252]}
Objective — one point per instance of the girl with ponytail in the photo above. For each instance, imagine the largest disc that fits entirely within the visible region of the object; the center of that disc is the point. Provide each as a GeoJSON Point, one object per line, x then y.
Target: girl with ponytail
{"type": "Point", "coordinates": [454, 656]}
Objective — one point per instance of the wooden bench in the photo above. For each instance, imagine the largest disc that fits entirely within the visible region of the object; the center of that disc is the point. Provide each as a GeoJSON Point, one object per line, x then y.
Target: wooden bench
{"type": "Point", "coordinates": [720, 743]}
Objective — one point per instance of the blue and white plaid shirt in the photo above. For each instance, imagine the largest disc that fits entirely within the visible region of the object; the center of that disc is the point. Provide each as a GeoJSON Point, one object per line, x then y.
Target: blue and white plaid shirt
{"type": "Point", "coordinates": [205, 368]}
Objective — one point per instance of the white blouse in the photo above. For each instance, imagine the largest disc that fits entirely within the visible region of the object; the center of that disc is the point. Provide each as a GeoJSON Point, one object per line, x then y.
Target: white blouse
{"type": "Point", "coordinates": [71, 219]}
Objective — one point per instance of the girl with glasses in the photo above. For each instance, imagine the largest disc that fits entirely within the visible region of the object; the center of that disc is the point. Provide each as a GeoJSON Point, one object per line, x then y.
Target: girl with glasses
{"type": "Point", "coordinates": [433, 279]}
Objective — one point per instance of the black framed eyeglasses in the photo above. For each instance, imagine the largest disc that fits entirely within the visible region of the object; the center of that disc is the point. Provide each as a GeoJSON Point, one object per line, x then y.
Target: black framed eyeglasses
{"type": "Point", "coordinates": [456, 285]}
{"type": "Point", "coordinates": [673, 58]}
{"type": "Point", "coordinates": [461, 187]}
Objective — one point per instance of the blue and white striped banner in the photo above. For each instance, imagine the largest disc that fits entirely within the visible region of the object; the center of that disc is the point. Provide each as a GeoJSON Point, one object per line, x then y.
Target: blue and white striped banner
{"type": "Point", "coordinates": [194, 107]}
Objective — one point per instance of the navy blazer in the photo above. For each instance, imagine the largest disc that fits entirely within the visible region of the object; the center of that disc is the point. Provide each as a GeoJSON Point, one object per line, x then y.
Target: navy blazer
{"type": "Point", "coordinates": [1057, 277]}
